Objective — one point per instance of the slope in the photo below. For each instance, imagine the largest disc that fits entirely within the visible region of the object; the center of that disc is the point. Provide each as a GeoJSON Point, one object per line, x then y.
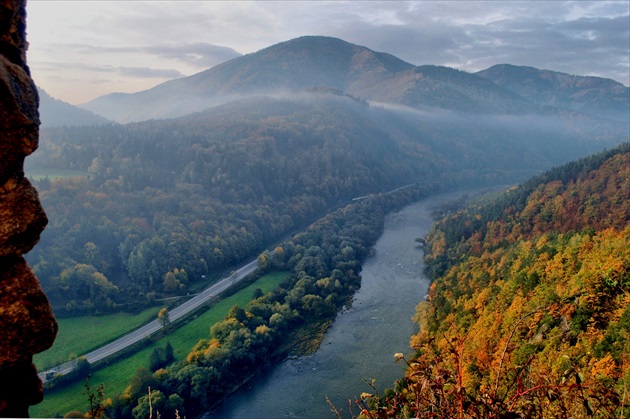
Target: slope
{"type": "Point", "coordinates": [303, 62]}
{"type": "Point", "coordinates": [56, 113]}
{"type": "Point", "coordinates": [317, 61]}
{"type": "Point", "coordinates": [595, 95]}
{"type": "Point", "coordinates": [202, 192]}
{"type": "Point", "coordinates": [529, 312]}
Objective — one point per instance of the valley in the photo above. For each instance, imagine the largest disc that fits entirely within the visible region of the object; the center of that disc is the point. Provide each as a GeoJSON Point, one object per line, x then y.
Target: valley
{"type": "Point", "coordinates": [360, 344]}
{"type": "Point", "coordinates": [185, 180]}
{"type": "Point", "coordinates": [117, 375]}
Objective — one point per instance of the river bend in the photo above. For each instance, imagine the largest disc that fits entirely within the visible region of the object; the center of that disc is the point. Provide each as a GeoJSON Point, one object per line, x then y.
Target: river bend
{"type": "Point", "coordinates": [361, 342]}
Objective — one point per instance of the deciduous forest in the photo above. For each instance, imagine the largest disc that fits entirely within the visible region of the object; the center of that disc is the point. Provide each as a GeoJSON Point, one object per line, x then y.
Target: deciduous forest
{"type": "Point", "coordinates": [529, 311]}
{"type": "Point", "coordinates": [163, 204]}
{"type": "Point", "coordinates": [325, 265]}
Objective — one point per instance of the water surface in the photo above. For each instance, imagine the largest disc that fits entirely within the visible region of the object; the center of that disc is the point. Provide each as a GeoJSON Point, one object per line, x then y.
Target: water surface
{"type": "Point", "coordinates": [361, 343]}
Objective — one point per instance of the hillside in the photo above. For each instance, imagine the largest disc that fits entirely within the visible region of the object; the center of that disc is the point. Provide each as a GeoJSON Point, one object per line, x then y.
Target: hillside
{"type": "Point", "coordinates": [529, 312]}
{"type": "Point", "coordinates": [212, 188]}
{"type": "Point", "coordinates": [56, 113]}
{"type": "Point", "coordinates": [428, 86]}
{"type": "Point", "coordinates": [200, 194]}
{"type": "Point", "coordinates": [292, 65]}
{"type": "Point", "coordinates": [314, 61]}
{"type": "Point", "coordinates": [224, 164]}
{"type": "Point", "coordinates": [602, 97]}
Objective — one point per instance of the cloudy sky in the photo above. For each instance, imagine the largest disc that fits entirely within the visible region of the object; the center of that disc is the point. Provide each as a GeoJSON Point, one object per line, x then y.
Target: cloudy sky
{"type": "Point", "coordinates": [83, 49]}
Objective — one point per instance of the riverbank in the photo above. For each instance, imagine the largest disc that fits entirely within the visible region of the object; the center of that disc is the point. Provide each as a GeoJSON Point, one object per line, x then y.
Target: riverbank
{"type": "Point", "coordinates": [118, 375]}
{"type": "Point", "coordinates": [362, 340]}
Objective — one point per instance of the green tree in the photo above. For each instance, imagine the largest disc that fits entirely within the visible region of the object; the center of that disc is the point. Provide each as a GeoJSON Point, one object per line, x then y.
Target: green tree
{"type": "Point", "coordinates": [157, 359]}
{"type": "Point", "coordinates": [277, 257]}
{"type": "Point", "coordinates": [175, 405]}
{"type": "Point", "coordinates": [237, 313]}
{"type": "Point", "coordinates": [257, 293]}
{"type": "Point", "coordinates": [161, 357]}
{"type": "Point", "coordinates": [171, 283]}
{"type": "Point", "coordinates": [150, 405]}
{"type": "Point", "coordinates": [168, 352]}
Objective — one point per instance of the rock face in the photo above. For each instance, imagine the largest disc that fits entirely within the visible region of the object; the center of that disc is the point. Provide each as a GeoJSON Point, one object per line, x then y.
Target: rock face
{"type": "Point", "coordinates": [27, 325]}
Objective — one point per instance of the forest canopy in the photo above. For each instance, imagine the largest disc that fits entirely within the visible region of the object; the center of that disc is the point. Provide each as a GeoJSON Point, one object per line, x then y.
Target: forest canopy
{"type": "Point", "coordinates": [529, 311]}
{"type": "Point", "coordinates": [161, 205]}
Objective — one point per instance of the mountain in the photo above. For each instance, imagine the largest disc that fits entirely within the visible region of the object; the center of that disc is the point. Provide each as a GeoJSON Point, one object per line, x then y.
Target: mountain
{"type": "Point", "coordinates": [529, 311]}
{"type": "Point", "coordinates": [310, 61]}
{"type": "Point", "coordinates": [56, 113]}
{"type": "Point", "coordinates": [293, 65]}
{"type": "Point", "coordinates": [432, 86]}
{"type": "Point", "coordinates": [594, 95]}
{"type": "Point", "coordinates": [295, 129]}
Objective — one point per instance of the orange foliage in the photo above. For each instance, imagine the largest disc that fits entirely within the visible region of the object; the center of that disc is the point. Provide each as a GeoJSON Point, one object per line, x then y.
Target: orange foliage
{"type": "Point", "coordinates": [538, 323]}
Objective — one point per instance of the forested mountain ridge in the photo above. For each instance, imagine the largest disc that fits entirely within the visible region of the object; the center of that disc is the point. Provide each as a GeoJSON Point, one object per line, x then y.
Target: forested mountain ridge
{"type": "Point", "coordinates": [330, 62]}
{"type": "Point", "coordinates": [202, 192]}
{"type": "Point", "coordinates": [292, 65]}
{"type": "Point", "coordinates": [529, 313]}
{"type": "Point", "coordinates": [56, 113]}
{"type": "Point", "coordinates": [598, 96]}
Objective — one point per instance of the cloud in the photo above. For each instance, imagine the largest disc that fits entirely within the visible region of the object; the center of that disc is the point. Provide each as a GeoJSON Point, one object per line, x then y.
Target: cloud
{"type": "Point", "coordinates": [145, 72]}
{"type": "Point", "coordinates": [201, 54]}
{"type": "Point", "coordinates": [475, 35]}
{"type": "Point", "coordinates": [170, 37]}
{"type": "Point", "coordinates": [141, 72]}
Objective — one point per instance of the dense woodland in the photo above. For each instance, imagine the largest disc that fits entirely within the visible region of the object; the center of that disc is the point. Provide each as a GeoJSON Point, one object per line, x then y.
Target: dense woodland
{"type": "Point", "coordinates": [165, 203]}
{"type": "Point", "coordinates": [324, 262]}
{"type": "Point", "coordinates": [529, 313]}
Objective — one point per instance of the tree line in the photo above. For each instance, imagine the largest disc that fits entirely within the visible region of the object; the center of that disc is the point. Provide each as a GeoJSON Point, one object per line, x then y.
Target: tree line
{"type": "Point", "coordinates": [325, 265]}
{"type": "Point", "coordinates": [164, 204]}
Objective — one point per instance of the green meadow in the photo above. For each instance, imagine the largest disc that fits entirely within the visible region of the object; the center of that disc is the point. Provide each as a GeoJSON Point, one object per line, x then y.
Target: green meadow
{"type": "Point", "coordinates": [117, 376]}
{"type": "Point", "coordinates": [80, 335]}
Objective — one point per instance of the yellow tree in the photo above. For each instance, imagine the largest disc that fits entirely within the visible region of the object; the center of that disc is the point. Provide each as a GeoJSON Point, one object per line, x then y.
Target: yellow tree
{"type": "Point", "coordinates": [163, 318]}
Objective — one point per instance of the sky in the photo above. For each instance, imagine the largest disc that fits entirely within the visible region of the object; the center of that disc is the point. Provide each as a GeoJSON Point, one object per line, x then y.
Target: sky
{"type": "Point", "coordinates": [80, 50]}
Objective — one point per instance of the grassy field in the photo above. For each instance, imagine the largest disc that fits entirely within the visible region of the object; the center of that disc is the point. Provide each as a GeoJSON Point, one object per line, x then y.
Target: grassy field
{"type": "Point", "coordinates": [41, 173]}
{"type": "Point", "coordinates": [116, 377]}
{"type": "Point", "coordinates": [80, 335]}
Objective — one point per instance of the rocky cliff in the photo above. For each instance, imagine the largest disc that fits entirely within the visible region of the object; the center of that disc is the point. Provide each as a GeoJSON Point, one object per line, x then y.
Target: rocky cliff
{"type": "Point", "coordinates": [27, 325]}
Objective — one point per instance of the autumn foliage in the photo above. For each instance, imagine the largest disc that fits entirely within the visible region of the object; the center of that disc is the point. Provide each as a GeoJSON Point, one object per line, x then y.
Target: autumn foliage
{"type": "Point", "coordinates": [529, 313]}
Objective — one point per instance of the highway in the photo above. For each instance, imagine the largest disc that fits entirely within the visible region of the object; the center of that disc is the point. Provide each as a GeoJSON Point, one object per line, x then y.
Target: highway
{"type": "Point", "coordinates": [176, 313]}
{"type": "Point", "coordinates": [152, 327]}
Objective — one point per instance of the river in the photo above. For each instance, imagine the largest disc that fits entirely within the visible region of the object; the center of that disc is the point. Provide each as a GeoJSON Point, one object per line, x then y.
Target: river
{"type": "Point", "coordinates": [361, 343]}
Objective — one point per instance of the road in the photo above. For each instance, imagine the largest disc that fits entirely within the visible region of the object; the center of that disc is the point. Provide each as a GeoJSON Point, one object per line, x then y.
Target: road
{"type": "Point", "coordinates": [176, 313]}
{"type": "Point", "coordinates": [152, 327]}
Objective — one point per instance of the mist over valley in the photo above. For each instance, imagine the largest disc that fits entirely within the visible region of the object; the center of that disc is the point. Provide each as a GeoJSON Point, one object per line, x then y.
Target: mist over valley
{"type": "Point", "coordinates": [293, 155]}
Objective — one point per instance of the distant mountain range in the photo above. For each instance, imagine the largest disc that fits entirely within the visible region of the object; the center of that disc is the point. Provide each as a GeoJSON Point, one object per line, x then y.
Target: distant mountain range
{"type": "Point", "coordinates": [593, 95]}
{"type": "Point", "coordinates": [56, 113]}
{"type": "Point", "coordinates": [295, 129]}
{"type": "Point", "coordinates": [315, 61]}
{"type": "Point", "coordinates": [211, 169]}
